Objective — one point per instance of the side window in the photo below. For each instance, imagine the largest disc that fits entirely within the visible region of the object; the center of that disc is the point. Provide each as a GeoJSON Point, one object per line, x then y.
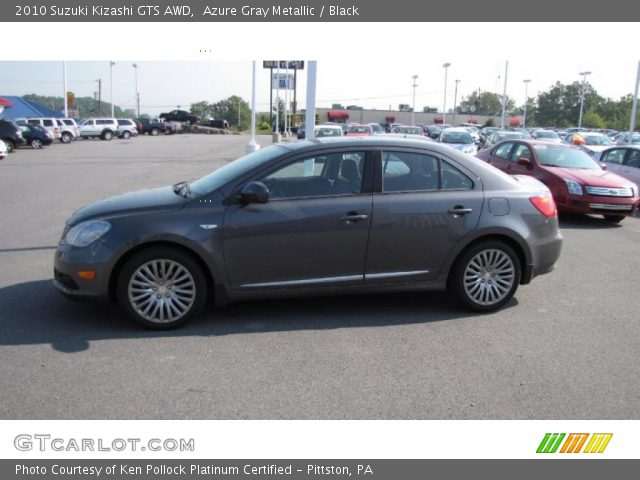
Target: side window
{"type": "Point", "coordinates": [634, 159]}
{"type": "Point", "coordinates": [614, 156]}
{"type": "Point", "coordinates": [454, 179]}
{"type": "Point", "coordinates": [521, 151]}
{"type": "Point", "coordinates": [33, 121]}
{"type": "Point", "coordinates": [403, 172]}
{"type": "Point", "coordinates": [319, 176]}
{"type": "Point", "coordinates": [503, 150]}
{"type": "Point", "coordinates": [48, 123]}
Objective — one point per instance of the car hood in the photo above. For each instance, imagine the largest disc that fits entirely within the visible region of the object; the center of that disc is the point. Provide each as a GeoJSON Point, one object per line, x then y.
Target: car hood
{"type": "Point", "coordinates": [596, 148]}
{"type": "Point", "coordinates": [595, 178]}
{"type": "Point", "coordinates": [459, 146]}
{"type": "Point", "coordinates": [155, 199]}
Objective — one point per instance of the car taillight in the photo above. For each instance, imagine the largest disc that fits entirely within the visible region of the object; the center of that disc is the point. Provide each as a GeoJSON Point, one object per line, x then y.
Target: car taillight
{"type": "Point", "coordinates": [545, 205]}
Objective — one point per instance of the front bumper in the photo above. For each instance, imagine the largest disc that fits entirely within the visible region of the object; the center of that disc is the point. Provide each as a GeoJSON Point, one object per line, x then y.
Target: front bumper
{"type": "Point", "coordinates": [599, 205]}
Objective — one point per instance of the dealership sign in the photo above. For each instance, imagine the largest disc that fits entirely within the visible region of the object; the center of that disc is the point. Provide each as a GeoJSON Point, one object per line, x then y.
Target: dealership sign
{"type": "Point", "coordinates": [282, 81]}
{"type": "Point", "coordinates": [284, 64]}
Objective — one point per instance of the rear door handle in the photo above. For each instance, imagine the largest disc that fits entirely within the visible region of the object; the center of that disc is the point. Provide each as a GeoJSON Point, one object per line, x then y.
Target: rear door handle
{"type": "Point", "coordinates": [352, 217]}
{"type": "Point", "coordinates": [459, 210]}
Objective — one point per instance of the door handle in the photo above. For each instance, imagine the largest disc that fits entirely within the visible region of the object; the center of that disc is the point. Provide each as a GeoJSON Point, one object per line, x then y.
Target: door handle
{"type": "Point", "coordinates": [460, 210]}
{"type": "Point", "coordinates": [352, 217]}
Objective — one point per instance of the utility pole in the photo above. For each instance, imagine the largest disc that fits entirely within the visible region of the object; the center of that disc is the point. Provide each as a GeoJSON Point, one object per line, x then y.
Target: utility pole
{"type": "Point", "coordinates": [504, 94]}
{"type": "Point", "coordinates": [524, 118]}
{"type": "Point", "coordinates": [634, 108]}
{"type": "Point", "coordinates": [99, 97]}
{"type": "Point", "coordinates": [111, 64]}
{"type": "Point", "coordinates": [455, 102]}
{"type": "Point", "coordinates": [64, 82]}
{"type": "Point", "coordinates": [584, 82]}
{"type": "Point", "coordinates": [413, 109]}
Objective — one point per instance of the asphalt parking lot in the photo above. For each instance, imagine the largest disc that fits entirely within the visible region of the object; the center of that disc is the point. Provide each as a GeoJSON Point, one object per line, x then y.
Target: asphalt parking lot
{"type": "Point", "coordinates": [566, 347]}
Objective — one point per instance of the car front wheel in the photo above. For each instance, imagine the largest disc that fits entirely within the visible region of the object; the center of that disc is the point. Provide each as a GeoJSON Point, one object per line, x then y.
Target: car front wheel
{"type": "Point", "coordinates": [36, 144]}
{"type": "Point", "coordinates": [108, 135]}
{"type": "Point", "coordinates": [66, 137]}
{"type": "Point", "coordinates": [126, 135]}
{"type": "Point", "coordinates": [10, 146]}
{"type": "Point", "coordinates": [162, 288]}
{"type": "Point", "coordinates": [486, 276]}
{"type": "Point", "coordinates": [154, 131]}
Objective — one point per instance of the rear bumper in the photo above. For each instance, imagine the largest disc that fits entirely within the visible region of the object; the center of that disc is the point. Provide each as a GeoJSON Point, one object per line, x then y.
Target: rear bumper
{"type": "Point", "coordinates": [544, 255]}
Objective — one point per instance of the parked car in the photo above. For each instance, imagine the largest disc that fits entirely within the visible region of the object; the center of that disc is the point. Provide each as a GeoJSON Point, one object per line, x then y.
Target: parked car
{"type": "Point", "coordinates": [458, 138]}
{"type": "Point", "coordinates": [484, 134]}
{"type": "Point", "coordinates": [593, 142]}
{"type": "Point", "coordinates": [434, 131]}
{"type": "Point", "coordinates": [11, 135]}
{"type": "Point", "coordinates": [546, 136]}
{"type": "Point", "coordinates": [577, 182]}
{"type": "Point", "coordinates": [500, 135]}
{"type": "Point", "coordinates": [3, 150]}
{"type": "Point", "coordinates": [623, 161]}
{"type": "Point", "coordinates": [376, 128]}
{"type": "Point", "coordinates": [153, 127]}
{"type": "Point", "coordinates": [36, 136]}
{"type": "Point", "coordinates": [409, 130]}
{"type": "Point", "coordinates": [218, 124]}
{"type": "Point", "coordinates": [267, 225]}
{"type": "Point", "coordinates": [328, 131]}
{"type": "Point", "coordinates": [102, 128]}
{"type": "Point", "coordinates": [181, 116]}
{"type": "Point", "coordinates": [49, 123]}
{"type": "Point", "coordinates": [69, 131]}
{"type": "Point", "coordinates": [356, 130]}
{"type": "Point", "coordinates": [127, 128]}
{"type": "Point", "coordinates": [623, 139]}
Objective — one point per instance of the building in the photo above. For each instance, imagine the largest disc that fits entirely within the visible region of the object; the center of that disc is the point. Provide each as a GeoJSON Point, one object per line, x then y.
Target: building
{"type": "Point", "coordinates": [20, 108]}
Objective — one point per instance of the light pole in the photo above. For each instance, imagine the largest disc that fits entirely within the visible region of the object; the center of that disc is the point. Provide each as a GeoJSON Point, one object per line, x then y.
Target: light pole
{"type": "Point", "coordinates": [253, 145]}
{"type": "Point", "coordinates": [524, 117]}
{"type": "Point", "coordinates": [135, 66]}
{"type": "Point", "coordinates": [111, 64]}
{"type": "Point", "coordinates": [504, 94]}
{"type": "Point", "coordinates": [634, 108]}
{"type": "Point", "coordinates": [444, 102]}
{"type": "Point", "coordinates": [455, 102]}
{"type": "Point", "coordinates": [64, 86]}
{"type": "Point", "coordinates": [584, 81]}
{"type": "Point", "coordinates": [413, 110]}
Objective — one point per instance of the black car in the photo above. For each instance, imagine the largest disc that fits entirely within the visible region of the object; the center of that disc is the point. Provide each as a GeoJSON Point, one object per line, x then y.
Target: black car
{"type": "Point", "coordinates": [218, 124]}
{"type": "Point", "coordinates": [36, 136]}
{"type": "Point", "coordinates": [339, 215]}
{"type": "Point", "coordinates": [179, 116]}
{"type": "Point", "coordinates": [153, 127]}
{"type": "Point", "coordinates": [11, 135]}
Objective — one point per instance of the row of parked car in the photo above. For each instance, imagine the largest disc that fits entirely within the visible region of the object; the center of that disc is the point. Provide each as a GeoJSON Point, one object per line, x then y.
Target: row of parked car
{"type": "Point", "coordinates": [38, 132]}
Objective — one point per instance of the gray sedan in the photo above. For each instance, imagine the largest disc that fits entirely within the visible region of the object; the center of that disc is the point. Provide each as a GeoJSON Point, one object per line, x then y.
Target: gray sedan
{"type": "Point", "coordinates": [314, 217]}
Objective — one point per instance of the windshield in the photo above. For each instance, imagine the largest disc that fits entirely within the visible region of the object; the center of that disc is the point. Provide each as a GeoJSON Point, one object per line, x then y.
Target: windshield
{"type": "Point", "coordinates": [543, 134]}
{"type": "Point", "coordinates": [359, 130]}
{"type": "Point", "coordinates": [328, 132]}
{"type": "Point", "coordinates": [564, 157]}
{"type": "Point", "coordinates": [510, 135]}
{"type": "Point", "coordinates": [410, 130]}
{"type": "Point", "coordinates": [596, 140]}
{"type": "Point", "coordinates": [456, 137]}
{"type": "Point", "coordinates": [225, 174]}
{"type": "Point", "coordinates": [377, 128]}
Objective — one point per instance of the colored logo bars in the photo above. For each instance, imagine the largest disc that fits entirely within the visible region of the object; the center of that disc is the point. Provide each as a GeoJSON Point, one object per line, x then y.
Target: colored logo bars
{"type": "Point", "coordinates": [597, 442]}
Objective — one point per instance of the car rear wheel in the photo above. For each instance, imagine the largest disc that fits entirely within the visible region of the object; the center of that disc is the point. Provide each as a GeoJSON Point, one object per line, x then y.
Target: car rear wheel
{"type": "Point", "coordinates": [36, 144]}
{"type": "Point", "coordinates": [614, 218]}
{"type": "Point", "coordinates": [162, 288]}
{"type": "Point", "coordinates": [66, 137]}
{"type": "Point", "coordinates": [10, 145]}
{"type": "Point", "coordinates": [154, 131]}
{"type": "Point", "coordinates": [108, 135]}
{"type": "Point", "coordinates": [126, 135]}
{"type": "Point", "coordinates": [486, 276]}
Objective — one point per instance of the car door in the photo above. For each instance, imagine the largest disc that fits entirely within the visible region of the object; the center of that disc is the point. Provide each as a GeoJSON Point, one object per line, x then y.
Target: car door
{"type": "Point", "coordinates": [312, 231]}
{"type": "Point", "coordinates": [520, 150]}
{"type": "Point", "coordinates": [614, 159]}
{"type": "Point", "coordinates": [631, 167]}
{"type": "Point", "coordinates": [423, 206]}
{"type": "Point", "coordinates": [500, 155]}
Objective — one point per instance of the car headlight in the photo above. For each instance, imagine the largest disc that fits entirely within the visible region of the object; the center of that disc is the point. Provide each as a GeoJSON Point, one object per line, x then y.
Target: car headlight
{"type": "Point", "coordinates": [469, 150]}
{"type": "Point", "coordinates": [574, 187]}
{"type": "Point", "coordinates": [86, 233]}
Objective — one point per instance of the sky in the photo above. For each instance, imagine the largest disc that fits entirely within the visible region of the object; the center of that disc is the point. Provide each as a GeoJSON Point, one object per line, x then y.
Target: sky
{"type": "Point", "coordinates": [370, 65]}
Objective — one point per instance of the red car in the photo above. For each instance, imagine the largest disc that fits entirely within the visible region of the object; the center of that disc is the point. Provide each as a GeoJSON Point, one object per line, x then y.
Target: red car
{"type": "Point", "coordinates": [359, 130]}
{"type": "Point", "coordinates": [577, 182]}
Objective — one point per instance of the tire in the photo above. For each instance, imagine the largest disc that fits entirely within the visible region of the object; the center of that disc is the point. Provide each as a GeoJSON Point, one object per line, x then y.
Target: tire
{"type": "Point", "coordinates": [146, 288]}
{"type": "Point", "coordinates": [485, 276]}
{"type": "Point", "coordinates": [66, 137]}
{"type": "Point", "coordinates": [614, 218]}
{"type": "Point", "coordinates": [126, 134]}
{"type": "Point", "coordinates": [107, 135]}
{"type": "Point", "coordinates": [10, 146]}
{"type": "Point", "coordinates": [36, 144]}
{"type": "Point", "coordinates": [168, 131]}
{"type": "Point", "coordinates": [154, 132]}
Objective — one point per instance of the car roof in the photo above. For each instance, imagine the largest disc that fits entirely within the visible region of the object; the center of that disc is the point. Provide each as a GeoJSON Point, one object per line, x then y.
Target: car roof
{"type": "Point", "coordinates": [457, 129]}
{"type": "Point", "coordinates": [380, 141]}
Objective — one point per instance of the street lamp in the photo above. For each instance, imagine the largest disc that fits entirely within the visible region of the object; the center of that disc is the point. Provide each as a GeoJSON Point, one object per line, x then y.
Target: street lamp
{"type": "Point", "coordinates": [413, 111]}
{"type": "Point", "coordinates": [135, 66]}
{"type": "Point", "coordinates": [584, 81]}
{"type": "Point", "coordinates": [111, 64]}
{"type": "Point", "coordinates": [524, 118]}
{"type": "Point", "coordinates": [455, 103]}
{"type": "Point", "coordinates": [444, 102]}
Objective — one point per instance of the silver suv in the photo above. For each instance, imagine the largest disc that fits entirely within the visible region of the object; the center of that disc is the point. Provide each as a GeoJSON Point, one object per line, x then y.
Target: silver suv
{"type": "Point", "coordinates": [69, 129]}
{"type": "Point", "coordinates": [127, 128]}
{"type": "Point", "coordinates": [103, 128]}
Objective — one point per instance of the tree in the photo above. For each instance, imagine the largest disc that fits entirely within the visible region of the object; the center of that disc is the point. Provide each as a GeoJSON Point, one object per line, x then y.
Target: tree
{"type": "Point", "coordinates": [201, 109]}
{"type": "Point", "coordinates": [591, 119]}
{"type": "Point", "coordinates": [559, 106]}
{"type": "Point", "coordinates": [484, 103]}
{"type": "Point", "coordinates": [228, 109]}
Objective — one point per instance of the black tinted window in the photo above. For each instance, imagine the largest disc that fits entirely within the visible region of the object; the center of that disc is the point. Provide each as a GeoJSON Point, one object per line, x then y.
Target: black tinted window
{"type": "Point", "coordinates": [454, 179]}
{"type": "Point", "coordinates": [402, 172]}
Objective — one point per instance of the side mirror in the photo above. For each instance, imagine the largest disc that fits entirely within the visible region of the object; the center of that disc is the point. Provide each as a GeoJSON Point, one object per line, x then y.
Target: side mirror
{"type": "Point", "coordinates": [603, 165]}
{"type": "Point", "coordinates": [254, 192]}
{"type": "Point", "coordinates": [525, 162]}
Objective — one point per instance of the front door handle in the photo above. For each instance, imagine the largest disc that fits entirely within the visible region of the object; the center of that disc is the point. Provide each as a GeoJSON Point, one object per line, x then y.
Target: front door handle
{"type": "Point", "coordinates": [352, 217]}
{"type": "Point", "coordinates": [460, 210]}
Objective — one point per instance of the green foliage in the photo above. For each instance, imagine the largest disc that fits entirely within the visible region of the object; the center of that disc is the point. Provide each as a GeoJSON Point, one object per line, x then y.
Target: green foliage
{"type": "Point", "coordinates": [87, 106]}
{"type": "Point", "coordinates": [484, 103]}
{"type": "Point", "coordinates": [489, 123]}
{"type": "Point", "coordinates": [591, 119]}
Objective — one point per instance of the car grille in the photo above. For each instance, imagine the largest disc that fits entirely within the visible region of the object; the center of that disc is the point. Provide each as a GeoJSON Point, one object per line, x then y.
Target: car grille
{"type": "Point", "coordinates": [609, 191]}
{"type": "Point", "coordinates": [65, 280]}
{"type": "Point", "coordinates": [610, 206]}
